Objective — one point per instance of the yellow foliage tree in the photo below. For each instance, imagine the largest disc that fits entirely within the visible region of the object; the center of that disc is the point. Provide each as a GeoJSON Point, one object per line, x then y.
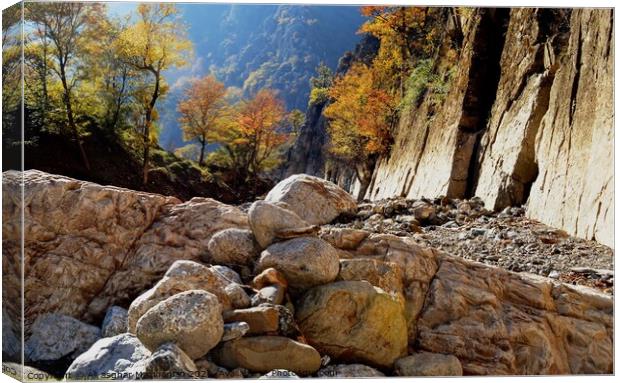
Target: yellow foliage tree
{"type": "Point", "coordinates": [65, 28]}
{"type": "Point", "coordinates": [406, 34]}
{"type": "Point", "coordinates": [156, 42]}
{"type": "Point", "coordinates": [200, 110]}
{"type": "Point", "coordinates": [360, 120]}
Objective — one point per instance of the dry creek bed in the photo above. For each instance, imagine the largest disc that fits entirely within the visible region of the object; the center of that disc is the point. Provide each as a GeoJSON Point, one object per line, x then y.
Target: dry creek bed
{"type": "Point", "coordinates": [507, 239]}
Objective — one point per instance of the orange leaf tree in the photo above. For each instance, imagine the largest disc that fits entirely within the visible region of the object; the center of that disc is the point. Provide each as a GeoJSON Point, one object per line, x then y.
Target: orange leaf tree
{"type": "Point", "coordinates": [252, 134]}
{"type": "Point", "coordinates": [360, 119]}
{"type": "Point", "coordinates": [200, 110]}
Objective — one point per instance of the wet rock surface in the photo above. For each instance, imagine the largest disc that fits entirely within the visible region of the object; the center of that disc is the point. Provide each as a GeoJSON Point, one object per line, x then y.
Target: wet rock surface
{"type": "Point", "coordinates": [507, 238]}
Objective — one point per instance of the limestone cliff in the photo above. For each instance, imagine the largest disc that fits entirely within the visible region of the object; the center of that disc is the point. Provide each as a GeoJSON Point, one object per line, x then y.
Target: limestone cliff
{"type": "Point", "coordinates": [528, 120]}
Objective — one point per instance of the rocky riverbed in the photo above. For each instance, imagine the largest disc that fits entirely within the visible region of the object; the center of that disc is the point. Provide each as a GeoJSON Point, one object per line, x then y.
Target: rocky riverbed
{"type": "Point", "coordinates": [302, 283]}
{"type": "Point", "coordinates": [507, 239]}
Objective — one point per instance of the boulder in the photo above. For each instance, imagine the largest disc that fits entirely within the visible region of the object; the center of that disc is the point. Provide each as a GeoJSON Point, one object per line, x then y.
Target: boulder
{"type": "Point", "coordinates": [344, 238]}
{"type": "Point", "coordinates": [266, 353]}
{"type": "Point", "coordinates": [90, 246]}
{"type": "Point", "coordinates": [428, 364]}
{"type": "Point", "coordinates": [417, 264]}
{"type": "Point", "coordinates": [237, 295]}
{"type": "Point", "coordinates": [305, 262]}
{"type": "Point", "coordinates": [348, 371]}
{"type": "Point", "coordinates": [315, 200]}
{"type": "Point", "coordinates": [234, 330]}
{"type": "Point", "coordinates": [115, 322]}
{"type": "Point", "coordinates": [233, 247]}
{"type": "Point", "coordinates": [121, 355]}
{"type": "Point", "coordinates": [270, 222]}
{"type": "Point", "coordinates": [262, 319]}
{"type": "Point", "coordinates": [386, 275]}
{"type": "Point", "coordinates": [182, 233]}
{"type": "Point", "coordinates": [192, 320]}
{"type": "Point", "coordinates": [182, 276]}
{"type": "Point", "coordinates": [353, 321]}
{"type": "Point", "coordinates": [501, 323]}
{"type": "Point", "coordinates": [169, 362]}
{"type": "Point", "coordinates": [422, 211]}
{"type": "Point", "coordinates": [55, 336]}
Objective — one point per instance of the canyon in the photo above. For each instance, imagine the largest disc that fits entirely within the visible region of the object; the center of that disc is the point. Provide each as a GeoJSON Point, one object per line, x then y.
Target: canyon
{"type": "Point", "coordinates": [528, 120]}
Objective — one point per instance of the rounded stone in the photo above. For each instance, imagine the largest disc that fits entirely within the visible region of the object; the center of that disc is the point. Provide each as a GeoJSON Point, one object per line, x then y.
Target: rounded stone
{"type": "Point", "coordinates": [305, 262]}
{"type": "Point", "coordinates": [267, 353]}
{"type": "Point", "coordinates": [192, 320]}
{"type": "Point", "coordinates": [233, 247]}
{"type": "Point", "coordinates": [316, 200]}
{"type": "Point", "coordinates": [354, 322]}
{"type": "Point", "coordinates": [115, 322]}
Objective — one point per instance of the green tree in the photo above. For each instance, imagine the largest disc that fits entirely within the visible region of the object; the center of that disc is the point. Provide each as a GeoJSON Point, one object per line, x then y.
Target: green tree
{"type": "Point", "coordinates": [319, 85]}
{"type": "Point", "coordinates": [63, 26]}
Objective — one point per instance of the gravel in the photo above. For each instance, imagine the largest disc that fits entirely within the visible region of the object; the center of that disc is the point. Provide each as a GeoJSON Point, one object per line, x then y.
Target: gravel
{"type": "Point", "coordinates": [507, 239]}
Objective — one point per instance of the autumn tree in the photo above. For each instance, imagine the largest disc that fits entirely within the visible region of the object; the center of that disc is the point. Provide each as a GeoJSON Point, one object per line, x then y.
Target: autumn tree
{"type": "Point", "coordinates": [115, 80]}
{"type": "Point", "coordinates": [200, 110]}
{"type": "Point", "coordinates": [406, 34]}
{"type": "Point", "coordinates": [360, 118]}
{"type": "Point", "coordinates": [253, 134]}
{"type": "Point", "coordinates": [156, 42]}
{"type": "Point", "coordinates": [62, 26]}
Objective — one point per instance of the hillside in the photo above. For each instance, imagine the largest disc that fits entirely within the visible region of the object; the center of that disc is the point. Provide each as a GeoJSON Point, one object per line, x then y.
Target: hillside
{"type": "Point", "coordinates": [253, 47]}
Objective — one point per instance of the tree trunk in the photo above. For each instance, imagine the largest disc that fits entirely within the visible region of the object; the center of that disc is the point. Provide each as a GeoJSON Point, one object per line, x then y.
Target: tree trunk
{"type": "Point", "coordinates": [70, 119]}
{"type": "Point", "coordinates": [202, 152]}
{"type": "Point", "coordinates": [364, 183]}
{"type": "Point", "coordinates": [147, 131]}
{"type": "Point", "coordinates": [364, 176]}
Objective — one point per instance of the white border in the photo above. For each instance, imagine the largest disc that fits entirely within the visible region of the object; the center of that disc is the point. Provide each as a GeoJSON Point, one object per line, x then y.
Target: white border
{"type": "Point", "coordinates": [480, 3]}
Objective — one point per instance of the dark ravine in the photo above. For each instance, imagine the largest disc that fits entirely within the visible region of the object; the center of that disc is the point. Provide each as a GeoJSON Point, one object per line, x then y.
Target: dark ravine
{"type": "Point", "coordinates": [516, 127]}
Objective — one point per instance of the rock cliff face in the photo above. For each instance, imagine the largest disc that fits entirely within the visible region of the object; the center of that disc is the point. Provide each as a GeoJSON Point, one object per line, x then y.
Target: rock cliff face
{"type": "Point", "coordinates": [528, 120]}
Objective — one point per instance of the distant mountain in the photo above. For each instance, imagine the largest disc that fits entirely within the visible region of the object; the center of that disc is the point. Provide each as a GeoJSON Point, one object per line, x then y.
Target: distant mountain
{"type": "Point", "coordinates": [256, 46]}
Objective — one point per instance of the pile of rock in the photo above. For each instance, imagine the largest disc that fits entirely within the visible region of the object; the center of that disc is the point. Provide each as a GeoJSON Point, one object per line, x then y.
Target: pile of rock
{"type": "Point", "coordinates": [463, 227]}
{"type": "Point", "coordinates": [286, 295]}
